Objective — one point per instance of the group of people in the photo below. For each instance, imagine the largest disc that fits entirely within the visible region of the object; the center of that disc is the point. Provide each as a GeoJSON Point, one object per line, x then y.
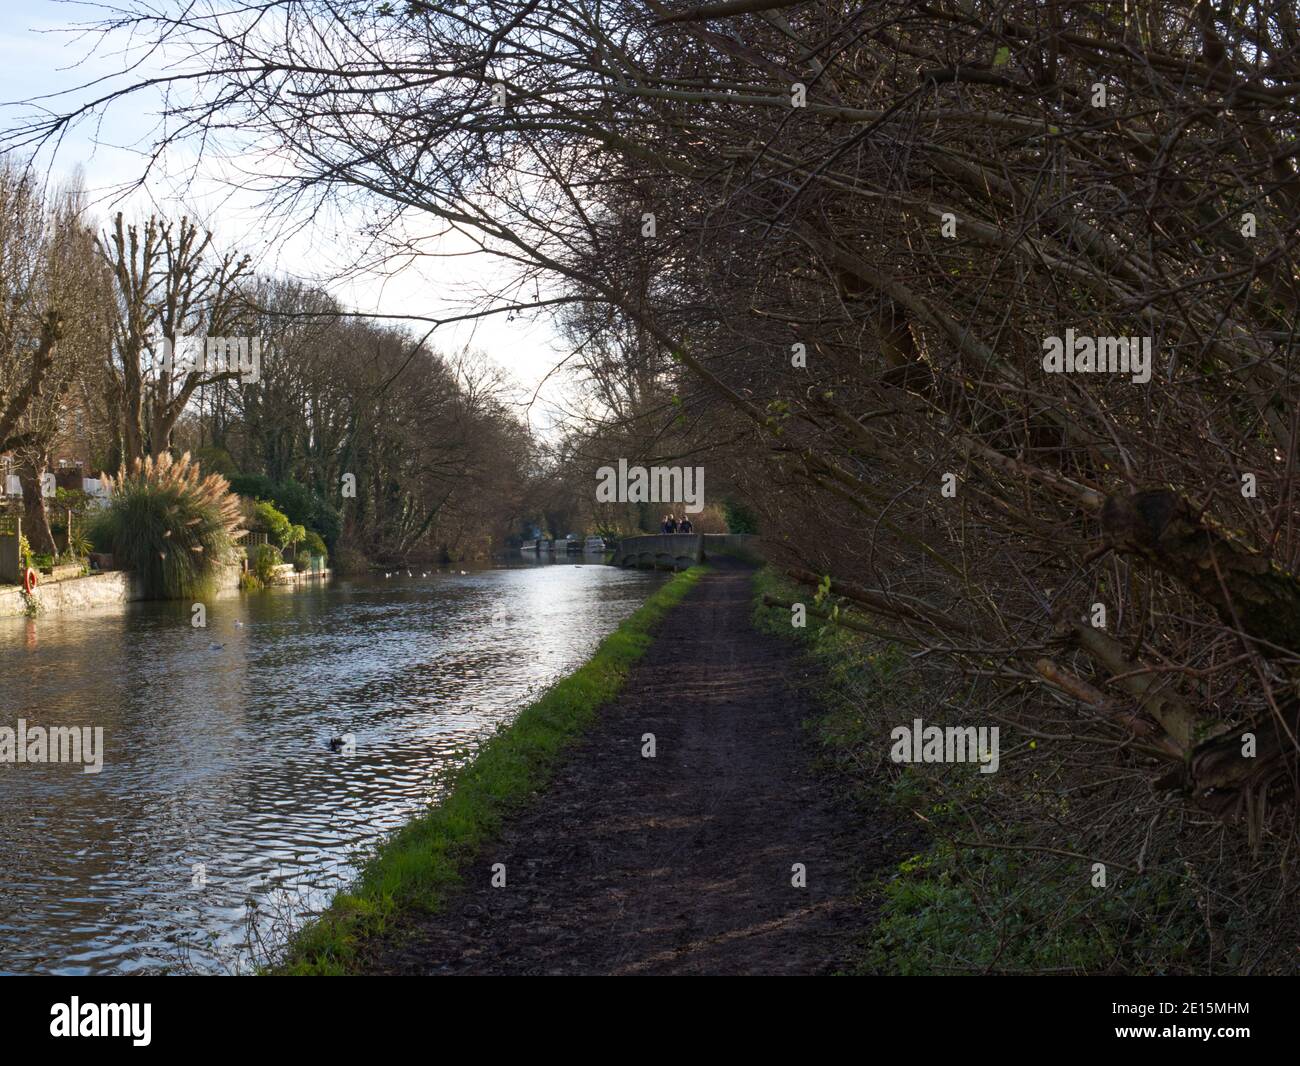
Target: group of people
{"type": "Point", "coordinates": [671, 525]}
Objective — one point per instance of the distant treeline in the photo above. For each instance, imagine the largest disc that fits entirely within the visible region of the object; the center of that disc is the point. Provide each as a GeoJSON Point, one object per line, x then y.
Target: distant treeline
{"type": "Point", "coordinates": [355, 429]}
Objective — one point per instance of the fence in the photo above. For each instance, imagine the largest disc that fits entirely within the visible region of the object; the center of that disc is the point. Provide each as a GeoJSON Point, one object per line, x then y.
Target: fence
{"type": "Point", "coordinates": [11, 529]}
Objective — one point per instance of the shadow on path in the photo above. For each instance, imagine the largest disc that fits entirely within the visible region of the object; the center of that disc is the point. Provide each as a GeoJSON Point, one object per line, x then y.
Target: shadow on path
{"type": "Point", "coordinates": [680, 864]}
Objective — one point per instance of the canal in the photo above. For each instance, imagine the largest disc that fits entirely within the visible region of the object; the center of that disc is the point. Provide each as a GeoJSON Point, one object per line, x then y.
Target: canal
{"type": "Point", "coordinates": [221, 815]}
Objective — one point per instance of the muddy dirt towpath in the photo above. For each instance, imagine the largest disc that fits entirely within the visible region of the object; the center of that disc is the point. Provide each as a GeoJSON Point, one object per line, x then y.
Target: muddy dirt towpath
{"type": "Point", "coordinates": [681, 863]}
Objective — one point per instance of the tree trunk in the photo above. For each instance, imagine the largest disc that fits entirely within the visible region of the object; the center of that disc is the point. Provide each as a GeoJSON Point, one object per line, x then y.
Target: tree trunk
{"type": "Point", "coordinates": [1248, 590]}
{"type": "Point", "coordinates": [42, 360]}
{"type": "Point", "coordinates": [36, 522]}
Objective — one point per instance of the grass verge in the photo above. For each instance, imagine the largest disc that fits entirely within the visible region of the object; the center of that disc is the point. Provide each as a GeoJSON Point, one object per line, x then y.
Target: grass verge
{"type": "Point", "coordinates": [416, 868]}
{"type": "Point", "coordinates": [1010, 907]}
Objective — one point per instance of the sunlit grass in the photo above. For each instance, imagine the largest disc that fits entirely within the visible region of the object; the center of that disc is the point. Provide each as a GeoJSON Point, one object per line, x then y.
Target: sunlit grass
{"type": "Point", "coordinates": [416, 868]}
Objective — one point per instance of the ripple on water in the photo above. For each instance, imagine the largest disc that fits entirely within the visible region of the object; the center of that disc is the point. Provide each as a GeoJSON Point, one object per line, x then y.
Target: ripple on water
{"type": "Point", "coordinates": [217, 766]}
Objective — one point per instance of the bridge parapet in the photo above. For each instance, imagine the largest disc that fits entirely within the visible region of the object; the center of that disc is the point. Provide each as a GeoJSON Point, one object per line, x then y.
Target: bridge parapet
{"type": "Point", "coordinates": [677, 551]}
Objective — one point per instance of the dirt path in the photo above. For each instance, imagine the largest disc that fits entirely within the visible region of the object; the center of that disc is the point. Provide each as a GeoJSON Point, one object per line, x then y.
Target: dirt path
{"type": "Point", "coordinates": [680, 864]}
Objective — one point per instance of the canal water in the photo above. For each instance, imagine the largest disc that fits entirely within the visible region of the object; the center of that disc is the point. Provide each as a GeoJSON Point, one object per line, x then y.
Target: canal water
{"type": "Point", "coordinates": [221, 814]}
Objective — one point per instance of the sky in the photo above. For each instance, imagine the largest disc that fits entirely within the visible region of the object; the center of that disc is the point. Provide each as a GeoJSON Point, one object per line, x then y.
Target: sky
{"type": "Point", "coordinates": [40, 53]}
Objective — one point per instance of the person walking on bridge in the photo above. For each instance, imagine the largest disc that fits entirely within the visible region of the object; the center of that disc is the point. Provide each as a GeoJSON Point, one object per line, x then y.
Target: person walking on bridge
{"type": "Point", "coordinates": [685, 526]}
{"type": "Point", "coordinates": [670, 525]}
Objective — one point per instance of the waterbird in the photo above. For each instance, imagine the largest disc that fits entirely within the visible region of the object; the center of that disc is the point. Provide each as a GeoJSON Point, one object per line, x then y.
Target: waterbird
{"type": "Point", "coordinates": [336, 743]}
{"type": "Point", "coordinates": [215, 646]}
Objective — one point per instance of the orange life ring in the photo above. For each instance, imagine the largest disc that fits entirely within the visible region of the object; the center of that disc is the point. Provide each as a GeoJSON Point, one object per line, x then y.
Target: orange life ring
{"type": "Point", "coordinates": [29, 580]}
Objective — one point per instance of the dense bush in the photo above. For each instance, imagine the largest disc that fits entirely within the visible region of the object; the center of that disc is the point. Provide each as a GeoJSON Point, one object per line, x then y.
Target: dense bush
{"type": "Point", "coordinates": [265, 560]}
{"type": "Point", "coordinates": [217, 461]}
{"type": "Point", "coordinates": [170, 524]}
{"type": "Point", "coordinates": [264, 517]}
{"type": "Point", "coordinates": [314, 545]}
{"type": "Point", "coordinates": [951, 905]}
{"type": "Point", "coordinates": [295, 501]}
{"type": "Point", "coordinates": [307, 509]}
{"type": "Point", "coordinates": [268, 519]}
{"type": "Point", "coordinates": [740, 519]}
{"type": "Point", "coordinates": [348, 560]}
{"type": "Point", "coordinates": [99, 531]}
{"type": "Point", "coordinates": [254, 486]}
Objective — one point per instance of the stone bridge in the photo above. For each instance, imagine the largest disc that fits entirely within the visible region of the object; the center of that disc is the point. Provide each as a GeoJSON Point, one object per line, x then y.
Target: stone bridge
{"type": "Point", "coordinates": [677, 551]}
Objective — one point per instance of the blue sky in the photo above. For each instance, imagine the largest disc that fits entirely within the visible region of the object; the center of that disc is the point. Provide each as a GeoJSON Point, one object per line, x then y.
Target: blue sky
{"type": "Point", "coordinates": [41, 53]}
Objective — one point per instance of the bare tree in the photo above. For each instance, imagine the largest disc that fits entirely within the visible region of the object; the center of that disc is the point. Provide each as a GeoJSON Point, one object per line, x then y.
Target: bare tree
{"type": "Point", "coordinates": [75, 282]}
{"type": "Point", "coordinates": [865, 237]}
{"type": "Point", "coordinates": [169, 287]}
{"type": "Point", "coordinates": [30, 324]}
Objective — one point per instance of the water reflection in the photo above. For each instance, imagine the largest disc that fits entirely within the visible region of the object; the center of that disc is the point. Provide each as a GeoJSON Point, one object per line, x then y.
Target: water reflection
{"type": "Point", "coordinates": [220, 802]}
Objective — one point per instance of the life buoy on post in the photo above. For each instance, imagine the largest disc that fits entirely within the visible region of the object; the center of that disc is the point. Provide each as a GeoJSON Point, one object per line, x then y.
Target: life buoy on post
{"type": "Point", "coordinates": [29, 580]}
